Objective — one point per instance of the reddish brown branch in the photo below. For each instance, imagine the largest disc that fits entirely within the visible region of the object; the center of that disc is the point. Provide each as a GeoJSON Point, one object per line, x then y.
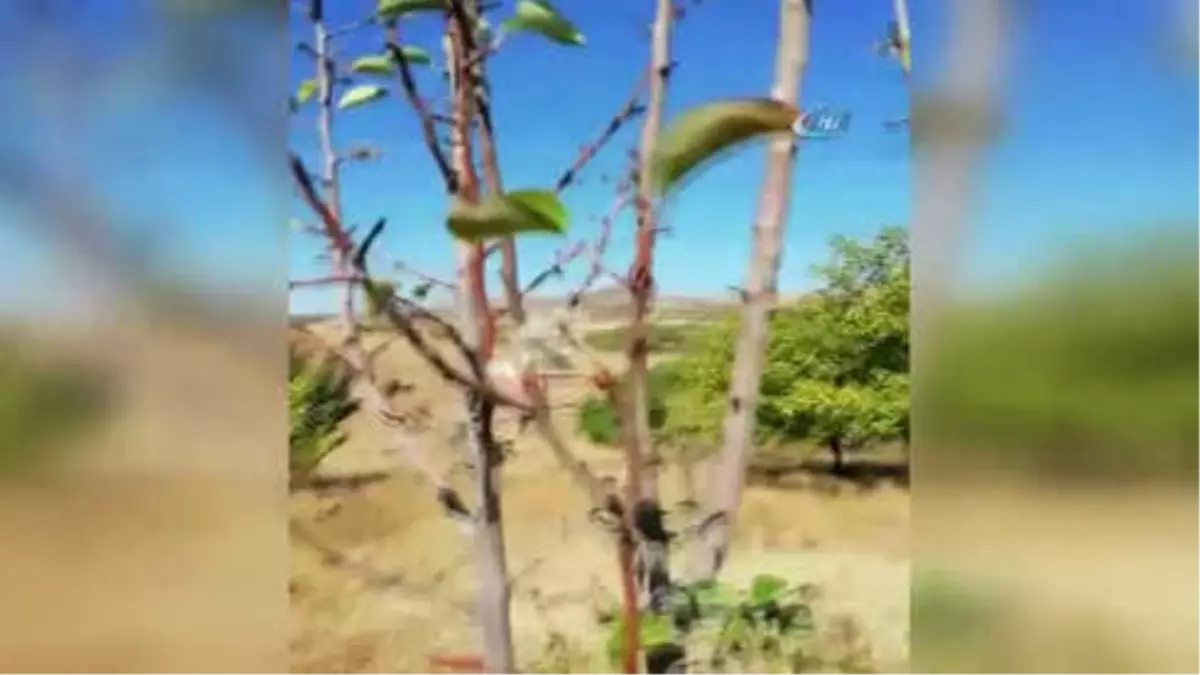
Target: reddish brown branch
{"type": "Point", "coordinates": [428, 128]}
{"type": "Point", "coordinates": [338, 239]}
{"type": "Point", "coordinates": [561, 260]}
{"type": "Point", "coordinates": [600, 245]}
{"type": "Point", "coordinates": [588, 152]}
{"type": "Point", "coordinates": [400, 321]}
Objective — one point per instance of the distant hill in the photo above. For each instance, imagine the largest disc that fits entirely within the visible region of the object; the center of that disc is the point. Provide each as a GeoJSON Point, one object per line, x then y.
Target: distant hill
{"type": "Point", "coordinates": [604, 305]}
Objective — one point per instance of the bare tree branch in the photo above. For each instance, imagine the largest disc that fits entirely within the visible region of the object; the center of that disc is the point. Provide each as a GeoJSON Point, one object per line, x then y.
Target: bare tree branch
{"type": "Point", "coordinates": [428, 130]}
{"type": "Point", "coordinates": [588, 152]}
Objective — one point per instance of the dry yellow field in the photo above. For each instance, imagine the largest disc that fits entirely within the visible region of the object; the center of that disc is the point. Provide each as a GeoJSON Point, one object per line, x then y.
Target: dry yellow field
{"type": "Point", "coordinates": [381, 580]}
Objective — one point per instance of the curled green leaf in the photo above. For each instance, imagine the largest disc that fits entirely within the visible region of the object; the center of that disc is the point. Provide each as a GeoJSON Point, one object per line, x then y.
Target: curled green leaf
{"type": "Point", "coordinates": [708, 130]}
{"type": "Point", "coordinates": [306, 91]}
{"type": "Point", "coordinates": [379, 295]}
{"type": "Point", "coordinates": [512, 213]}
{"type": "Point", "coordinates": [766, 588]}
{"type": "Point", "coordinates": [394, 9]}
{"type": "Point", "coordinates": [539, 16]}
{"type": "Point", "coordinates": [714, 596]}
{"type": "Point", "coordinates": [363, 93]}
{"type": "Point", "coordinates": [415, 55]}
{"type": "Point", "coordinates": [374, 65]}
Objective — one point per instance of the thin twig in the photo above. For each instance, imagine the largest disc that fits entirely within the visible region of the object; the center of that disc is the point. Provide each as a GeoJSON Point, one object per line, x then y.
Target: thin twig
{"type": "Point", "coordinates": [588, 152]}
{"type": "Point", "coordinates": [428, 130]}
{"type": "Point", "coordinates": [599, 246]}
{"type": "Point", "coordinates": [405, 268]}
{"type": "Point", "coordinates": [336, 279]}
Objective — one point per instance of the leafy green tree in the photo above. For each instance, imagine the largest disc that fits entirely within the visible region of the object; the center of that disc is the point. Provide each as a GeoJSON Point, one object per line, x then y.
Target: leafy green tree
{"type": "Point", "coordinates": [1086, 372]}
{"type": "Point", "coordinates": [838, 371]}
{"type": "Point", "coordinates": [319, 400]}
{"type": "Point", "coordinates": [600, 423]}
{"type": "Point", "coordinates": [836, 365]}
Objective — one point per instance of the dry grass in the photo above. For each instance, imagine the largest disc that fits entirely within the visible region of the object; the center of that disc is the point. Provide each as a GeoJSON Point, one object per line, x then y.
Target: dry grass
{"type": "Point", "coordinates": [394, 583]}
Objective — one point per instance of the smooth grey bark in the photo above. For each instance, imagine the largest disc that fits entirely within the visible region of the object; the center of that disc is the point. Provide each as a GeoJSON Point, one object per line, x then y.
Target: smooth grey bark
{"type": "Point", "coordinates": [491, 561]}
{"type": "Point", "coordinates": [642, 279]}
{"type": "Point", "coordinates": [727, 477]}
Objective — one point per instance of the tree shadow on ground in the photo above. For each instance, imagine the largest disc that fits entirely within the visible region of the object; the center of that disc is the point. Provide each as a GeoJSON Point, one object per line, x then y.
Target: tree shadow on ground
{"type": "Point", "coordinates": [820, 474]}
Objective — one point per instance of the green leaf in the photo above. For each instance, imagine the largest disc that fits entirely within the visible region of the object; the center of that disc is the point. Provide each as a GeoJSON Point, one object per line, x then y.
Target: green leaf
{"type": "Point", "coordinates": [653, 630]}
{"type": "Point", "coordinates": [539, 16]}
{"type": "Point", "coordinates": [415, 56]}
{"type": "Point", "coordinates": [706, 131]}
{"type": "Point", "coordinates": [656, 630]}
{"type": "Point", "coordinates": [306, 91]}
{"type": "Point", "coordinates": [483, 30]}
{"type": "Point", "coordinates": [614, 646]}
{"type": "Point", "coordinates": [363, 93]}
{"type": "Point", "coordinates": [544, 204]}
{"type": "Point", "coordinates": [394, 9]}
{"type": "Point", "coordinates": [421, 290]}
{"type": "Point", "coordinates": [712, 595]}
{"type": "Point", "coordinates": [379, 294]}
{"type": "Point", "coordinates": [512, 213]}
{"type": "Point", "coordinates": [766, 588]}
{"type": "Point", "coordinates": [374, 65]}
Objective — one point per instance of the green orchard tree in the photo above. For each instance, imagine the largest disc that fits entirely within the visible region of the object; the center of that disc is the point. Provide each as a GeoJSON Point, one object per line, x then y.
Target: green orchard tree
{"type": "Point", "coordinates": [837, 372]}
{"type": "Point", "coordinates": [836, 365]}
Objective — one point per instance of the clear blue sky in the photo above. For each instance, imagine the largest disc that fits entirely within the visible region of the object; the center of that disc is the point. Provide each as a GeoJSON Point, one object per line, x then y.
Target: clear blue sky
{"type": "Point", "coordinates": [1102, 137]}
{"type": "Point", "coordinates": [549, 99]}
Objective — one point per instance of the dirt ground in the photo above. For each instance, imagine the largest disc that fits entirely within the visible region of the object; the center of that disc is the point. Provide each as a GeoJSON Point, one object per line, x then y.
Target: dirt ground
{"type": "Point", "coordinates": [381, 580]}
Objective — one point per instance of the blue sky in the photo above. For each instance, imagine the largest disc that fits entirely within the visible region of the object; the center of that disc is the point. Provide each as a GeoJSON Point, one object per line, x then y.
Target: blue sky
{"type": "Point", "coordinates": [549, 99]}
{"type": "Point", "coordinates": [1101, 138]}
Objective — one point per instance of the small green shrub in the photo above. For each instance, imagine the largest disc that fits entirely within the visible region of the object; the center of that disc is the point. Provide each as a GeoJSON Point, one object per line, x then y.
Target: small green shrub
{"type": "Point", "coordinates": [319, 400]}
{"type": "Point", "coordinates": [768, 627]}
{"type": "Point", "coordinates": [598, 419]}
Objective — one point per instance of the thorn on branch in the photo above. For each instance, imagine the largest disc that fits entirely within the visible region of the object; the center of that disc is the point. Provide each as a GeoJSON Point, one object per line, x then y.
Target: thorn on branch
{"type": "Point", "coordinates": [428, 131]}
{"type": "Point", "coordinates": [360, 256]}
{"type": "Point", "coordinates": [361, 153]}
{"type": "Point", "coordinates": [588, 151]}
{"type": "Point", "coordinates": [333, 227]}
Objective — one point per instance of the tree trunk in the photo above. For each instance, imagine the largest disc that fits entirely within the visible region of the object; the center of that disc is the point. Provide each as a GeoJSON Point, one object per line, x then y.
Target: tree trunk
{"type": "Point", "coordinates": [642, 273]}
{"type": "Point", "coordinates": [644, 513]}
{"type": "Point", "coordinates": [330, 177]}
{"type": "Point", "coordinates": [728, 472]}
{"type": "Point", "coordinates": [490, 556]}
{"type": "Point", "coordinates": [630, 614]}
{"type": "Point", "coordinates": [491, 564]}
{"type": "Point", "coordinates": [839, 458]}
